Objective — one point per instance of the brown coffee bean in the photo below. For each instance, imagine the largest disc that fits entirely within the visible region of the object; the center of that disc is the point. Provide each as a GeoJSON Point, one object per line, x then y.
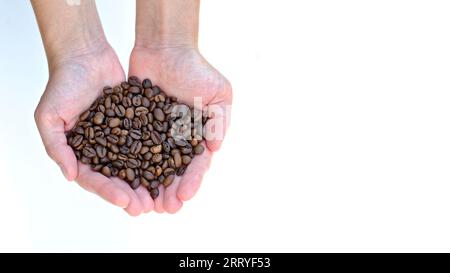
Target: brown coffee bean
{"type": "Point", "coordinates": [156, 90]}
{"type": "Point", "coordinates": [144, 182]}
{"type": "Point", "coordinates": [122, 174]}
{"type": "Point", "coordinates": [132, 163]}
{"type": "Point", "coordinates": [124, 150]}
{"type": "Point", "coordinates": [101, 151]}
{"type": "Point", "coordinates": [186, 150]}
{"type": "Point", "coordinates": [116, 131]}
{"type": "Point", "coordinates": [158, 114]}
{"type": "Point", "coordinates": [76, 140]}
{"type": "Point", "coordinates": [114, 122]}
{"type": "Point", "coordinates": [156, 137]}
{"type": "Point", "coordinates": [137, 100]}
{"type": "Point", "coordinates": [89, 133]}
{"type": "Point", "coordinates": [119, 111]}
{"type": "Point", "coordinates": [114, 148]}
{"type": "Point", "coordinates": [177, 159]}
{"type": "Point", "coordinates": [85, 115]}
{"type": "Point", "coordinates": [146, 83]}
{"type": "Point", "coordinates": [141, 110]}
{"type": "Point", "coordinates": [186, 159]}
{"type": "Point", "coordinates": [144, 150]}
{"type": "Point", "coordinates": [130, 174]}
{"type": "Point", "coordinates": [156, 149]}
{"type": "Point", "coordinates": [126, 102]}
{"type": "Point", "coordinates": [107, 90]}
{"type": "Point", "coordinates": [118, 164]}
{"type": "Point", "coordinates": [168, 180]}
{"type": "Point", "coordinates": [136, 147]}
{"type": "Point", "coordinates": [158, 170]}
{"type": "Point", "coordinates": [148, 175]}
{"type": "Point", "coordinates": [135, 81]}
{"type": "Point", "coordinates": [134, 90]}
{"type": "Point", "coordinates": [135, 133]}
{"type": "Point", "coordinates": [135, 183]}
{"type": "Point", "coordinates": [98, 118]}
{"type": "Point", "coordinates": [129, 113]}
{"type": "Point", "coordinates": [112, 139]}
{"type": "Point", "coordinates": [181, 170]}
{"type": "Point", "coordinates": [154, 184]}
{"type": "Point", "coordinates": [156, 158]}
{"type": "Point", "coordinates": [168, 171]}
{"type": "Point", "coordinates": [154, 193]}
{"type": "Point", "coordinates": [88, 152]}
{"type": "Point", "coordinates": [199, 149]}
{"type": "Point", "coordinates": [106, 171]}
{"type": "Point", "coordinates": [101, 141]}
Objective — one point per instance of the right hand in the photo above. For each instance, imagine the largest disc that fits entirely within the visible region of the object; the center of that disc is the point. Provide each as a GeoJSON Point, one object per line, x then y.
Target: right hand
{"type": "Point", "coordinates": [74, 83]}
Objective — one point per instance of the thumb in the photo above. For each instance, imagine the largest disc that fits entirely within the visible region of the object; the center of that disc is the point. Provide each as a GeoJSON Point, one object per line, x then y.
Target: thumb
{"type": "Point", "coordinates": [51, 129]}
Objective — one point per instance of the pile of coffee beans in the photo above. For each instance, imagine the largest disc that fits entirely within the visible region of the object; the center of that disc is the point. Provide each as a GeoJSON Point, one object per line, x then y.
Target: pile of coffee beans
{"type": "Point", "coordinates": [136, 132]}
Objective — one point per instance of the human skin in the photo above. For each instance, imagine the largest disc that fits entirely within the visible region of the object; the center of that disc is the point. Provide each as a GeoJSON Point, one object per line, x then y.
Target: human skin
{"type": "Point", "coordinates": [166, 50]}
{"type": "Point", "coordinates": [81, 62]}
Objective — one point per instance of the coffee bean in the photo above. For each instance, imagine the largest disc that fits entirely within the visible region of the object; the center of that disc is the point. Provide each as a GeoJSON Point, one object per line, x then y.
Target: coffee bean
{"type": "Point", "coordinates": [89, 152]}
{"type": "Point", "coordinates": [146, 83]}
{"type": "Point", "coordinates": [199, 149]}
{"type": "Point", "coordinates": [154, 193]}
{"type": "Point", "coordinates": [132, 163]}
{"type": "Point", "coordinates": [136, 147]}
{"type": "Point", "coordinates": [101, 151]}
{"type": "Point", "coordinates": [177, 159]}
{"type": "Point", "coordinates": [76, 140]}
{"type": "Point", "coordinates": [156, 137]}
{"type": "Point", "coordinates": [114, 122]}
{"type": "Point", "coordinates": [158, 114]}
{"type": "Point", "coordinates": [156, 149]}
{"type": "Point", "coordinates": [148, 175]}
{"type": "Point", "coordinates": [134, 90]}
{"type": "Point", "coordinates": [136, 134]}
{"type": "Point", "coordinates": [106, 171]}
{"type": "Point", "coordinates": [135, 183]}
{"type": "Point", "coordinates": [168, 180]}
{"type": "Point", "coordinates": [130, 174]}
{"type": "Point", "coordinates": [186, 159]}
{"type": "Point", "coordinates": [113, 139]}
{"type": "Point", "coordinates": [98, 118]}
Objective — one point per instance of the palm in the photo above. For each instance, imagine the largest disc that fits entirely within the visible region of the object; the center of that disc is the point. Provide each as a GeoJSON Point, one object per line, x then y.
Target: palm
{"type": "Point", "coordinates": [183, 73]}
{"type": "Point", "coordinates": [74, 84]}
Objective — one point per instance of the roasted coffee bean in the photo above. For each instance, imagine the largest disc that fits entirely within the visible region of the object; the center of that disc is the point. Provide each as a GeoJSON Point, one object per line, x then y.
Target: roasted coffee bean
{"type": "Point", "coordinates": [106, 171]}
{"type": "Point", "coordinates": [181, 170]}
{"type": "Point", "coordinates": [156, 149]}
{"type": "Point", "coordinates": [135, 183]}
{"type": "Point", "coordinates": [76, 140]}
{"type": "Point", "coordinates": [199, 149]}
{"type": "Point", "coordinates": [114, 122]}
{"type": "Point", "coordinates": [101, 151]}
{"type": "Point", "coordinates": [177, 159]}
{"type": "Point", "coordinates": [135, 133]}
{"type": "Point", "coordinates": [136, 147]}
{"type": "Point", "coordinates": [186, 159]}
{"type": "Point", "coordinates": [148, 175]}
{"type": "Point", "coordinates": [129, 132]}
{"type": "Point", "coordinates": [158, 114]}
{"type": "Point", "coordinates": [98, 118]}
{"type": "Point", "coordinates": [154, 193]}
{"type": "Point", "coordinates": [135, 81]}
{"type": "Point", "coordinates": [119, 111]}
{"type": "Point", "coordinates": [156, 137]}
{"type": "Point", "coordinates": [112, 139]}
{"type": "Point", "coordinates": [146, 83]}
{"type": "Point", "coordinates": [132, 163]}
{"type": "Point", "coordinates": [89, 152]}
{"type": "Point", "coordinates": [168, 180]}
{"type": "Point", "coordinates": [130, 174]}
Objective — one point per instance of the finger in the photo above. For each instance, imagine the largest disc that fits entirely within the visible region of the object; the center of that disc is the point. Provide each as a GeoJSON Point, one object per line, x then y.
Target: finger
{"type": "Point", "coordinates": [146, 200]}
{"type": "Point", "coordinates": [51, 129]}
{"type": "Point", "coordinates": [102, 186]}
{"type": "Point", "coordinates": [135, 206]}
{"type": "Point", "coordinates": [192, 178]}
{"type": "Point", "coordinates": [172, 203]}
{"type": "Point", "coordinates": [159, 201]}
{"type": "Point", "coordinates": [217, 125]}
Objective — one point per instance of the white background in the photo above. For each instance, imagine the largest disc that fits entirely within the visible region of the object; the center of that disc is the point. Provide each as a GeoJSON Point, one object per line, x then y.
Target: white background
{"type": "Point", "coordinates": [339, 139]}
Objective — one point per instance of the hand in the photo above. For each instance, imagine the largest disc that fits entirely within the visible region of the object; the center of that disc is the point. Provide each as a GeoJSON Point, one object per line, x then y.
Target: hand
{"type": "Point", "coordinates": [74, 83]}
{"type": "Point", "coordinates": [183, 72]}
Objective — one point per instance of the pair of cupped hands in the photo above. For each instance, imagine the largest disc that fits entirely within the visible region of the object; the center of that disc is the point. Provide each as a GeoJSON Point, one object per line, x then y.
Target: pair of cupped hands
{"type": "Point", "coordinates": [76, 81]}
